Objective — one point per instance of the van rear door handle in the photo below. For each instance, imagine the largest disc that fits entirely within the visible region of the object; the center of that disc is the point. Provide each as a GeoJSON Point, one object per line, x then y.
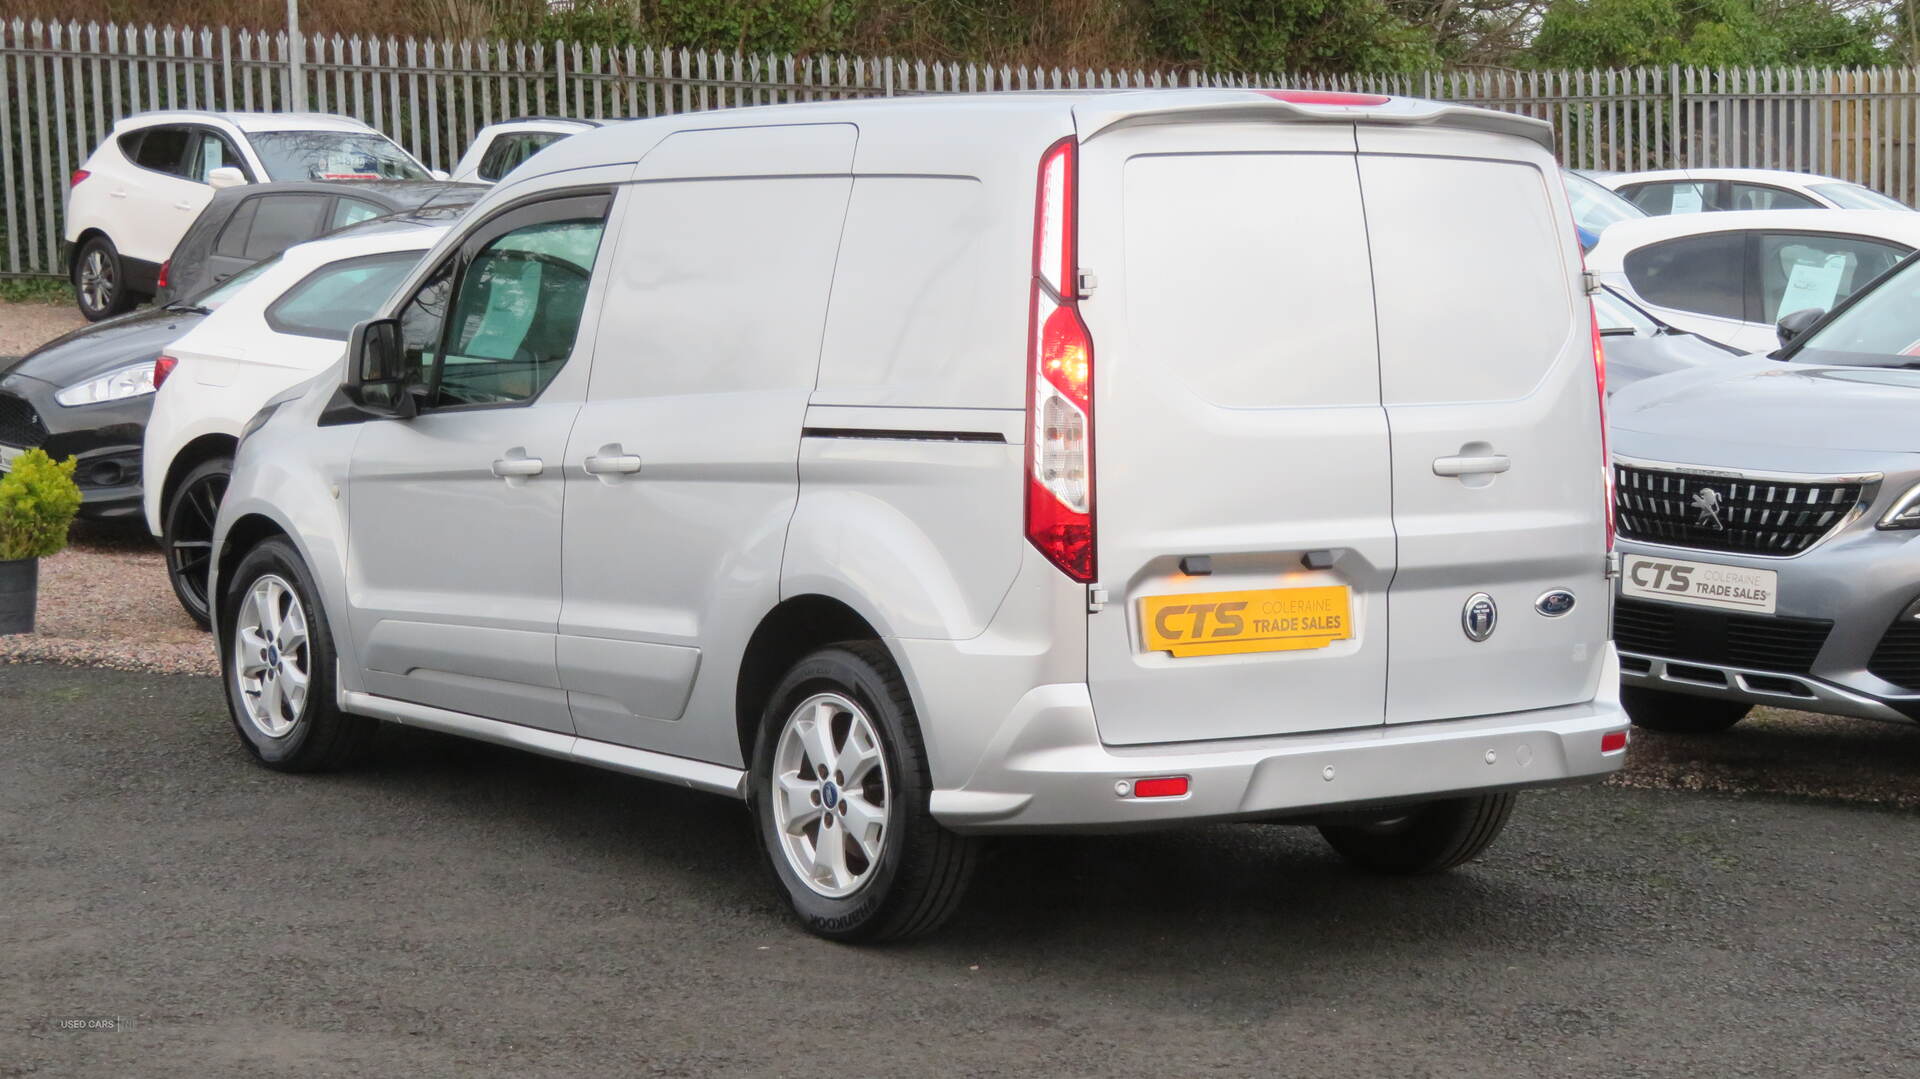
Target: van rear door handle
{"type": "Point", "coordinates": [1471, 466]}
{"type": "Point", "coordinates": [508, 467]}
{"type": "Point", "coordinates": [183, 205]}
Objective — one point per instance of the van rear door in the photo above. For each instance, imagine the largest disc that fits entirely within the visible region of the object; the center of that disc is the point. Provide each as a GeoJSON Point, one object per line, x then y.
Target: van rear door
{"type": "Point", "coordinates": [1487, 374]}
{"type": "Point", "coordinates": [1238, 431]}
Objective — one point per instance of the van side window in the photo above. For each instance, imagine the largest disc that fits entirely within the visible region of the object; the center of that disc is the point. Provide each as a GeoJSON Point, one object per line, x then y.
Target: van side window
{"type": "Point", "coordinates": [516, 314]}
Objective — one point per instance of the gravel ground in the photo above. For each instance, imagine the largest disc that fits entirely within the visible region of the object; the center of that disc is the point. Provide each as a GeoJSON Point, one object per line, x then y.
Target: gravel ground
{"type": "Point", "coordinates": [26, 326]}
{"type": "Point", "coordinates": [464, 910]}
{"type": "Point", "coordinates": [105, 602]}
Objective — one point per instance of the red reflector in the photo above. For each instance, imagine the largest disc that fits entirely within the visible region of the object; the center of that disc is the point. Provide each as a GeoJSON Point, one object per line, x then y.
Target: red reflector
{"type": "Point", "coordinates": [78, 175]}
{"type": "Point", "coordinates": [161, 281]}
{"type": "Point", "coordinates": [1167, 787]}
{"type": "Point", "coordinates": [1325, 97]}
{"type": "Point", "coordinates": [1613, 741]}
{"type": "Point", "coordinates": [162, 367]}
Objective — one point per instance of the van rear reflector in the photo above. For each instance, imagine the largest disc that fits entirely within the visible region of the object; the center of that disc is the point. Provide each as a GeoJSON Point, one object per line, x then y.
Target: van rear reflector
{"type": "Point", "coordinates": [1324, 97]}
{"type": "Point", "coordinates": [1163, 787]}
{"type": "Point", "coordinates": [1613, 741]}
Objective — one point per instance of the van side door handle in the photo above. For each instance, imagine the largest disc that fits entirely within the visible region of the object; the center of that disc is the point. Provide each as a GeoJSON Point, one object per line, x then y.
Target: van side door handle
{"type": "Point", "coordinates": [510, 467]}
{"type": "Point", "coordinates": [1471, 466]}
{"type": "Point", "coordinates": [611, 460]}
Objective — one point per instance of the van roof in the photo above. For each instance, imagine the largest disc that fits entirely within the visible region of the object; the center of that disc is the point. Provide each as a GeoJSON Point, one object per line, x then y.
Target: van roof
{"type": "Point", "coordinates": [1090, 111]}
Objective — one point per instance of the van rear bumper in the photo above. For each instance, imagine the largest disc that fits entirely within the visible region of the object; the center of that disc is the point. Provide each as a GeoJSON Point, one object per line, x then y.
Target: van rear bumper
{"type": "Point", "coordinates": [1048, 770]}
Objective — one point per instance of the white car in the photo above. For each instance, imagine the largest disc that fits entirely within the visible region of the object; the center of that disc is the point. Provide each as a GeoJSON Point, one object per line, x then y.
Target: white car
{"type": "Point", "coordinates": [498, 148]}
{"type": "Point", "coordinates": [143, 187]}
{"type": "Point", "coordinates": [290, 319]}
{"type": "Point", "coordinates": [755, 451]}
{"type": "Point", "coordinates": [1730, 277]}
{"type": "Point", "coordinates": [1692, 191]}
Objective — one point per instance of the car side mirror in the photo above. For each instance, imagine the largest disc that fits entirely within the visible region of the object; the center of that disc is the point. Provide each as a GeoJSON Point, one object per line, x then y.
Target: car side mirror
{"type": "Point", "coordinates": [376, 370]}
{"type": "Point", "coordinates": [1796, 323]}
{"type": "Point", "coordinates": [226, 176]}
{"type": "Point", "coordinates": [438, 174]}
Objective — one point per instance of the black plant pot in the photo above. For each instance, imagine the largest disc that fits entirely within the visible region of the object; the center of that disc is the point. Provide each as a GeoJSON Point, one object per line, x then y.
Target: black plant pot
{"type": "Point", "coordinates": [19, 589]}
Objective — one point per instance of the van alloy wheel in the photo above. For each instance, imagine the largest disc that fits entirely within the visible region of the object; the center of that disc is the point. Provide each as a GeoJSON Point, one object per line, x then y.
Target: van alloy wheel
{"type": "Point", "coordinates": [830, 794]}
{"type": "Point", "coordinates": [270, 656]}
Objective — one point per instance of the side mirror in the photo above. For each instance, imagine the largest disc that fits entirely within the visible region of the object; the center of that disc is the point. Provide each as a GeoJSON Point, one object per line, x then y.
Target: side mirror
{"type": "Point", "coordinates": [226, 176]}
{"type": "Point", "coordinates": [376, 370]}
{"type": "Point", "coordinates": [438, 174]}
{"type": "Point", "coordinates": [1796, 323]}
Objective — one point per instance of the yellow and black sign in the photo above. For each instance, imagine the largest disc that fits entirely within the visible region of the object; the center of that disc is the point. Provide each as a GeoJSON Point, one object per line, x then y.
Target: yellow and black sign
{"type": "Point", "coordinates": [1266, 620]}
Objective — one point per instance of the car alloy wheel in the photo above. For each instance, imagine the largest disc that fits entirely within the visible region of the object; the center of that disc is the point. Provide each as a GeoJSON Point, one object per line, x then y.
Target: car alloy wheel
{"type": "Point", "coordinates": [270, 656]}
{"type": "Point", "coordinates": [98, 280]}
{"type": "Point", "coordinates": [189, 536]}
{"type": "Point", "coordinates": [830, 794]}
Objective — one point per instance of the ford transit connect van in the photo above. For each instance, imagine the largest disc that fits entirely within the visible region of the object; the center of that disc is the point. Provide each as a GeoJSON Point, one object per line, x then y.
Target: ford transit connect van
{"type": "Point", "coordinates": [918, 470]}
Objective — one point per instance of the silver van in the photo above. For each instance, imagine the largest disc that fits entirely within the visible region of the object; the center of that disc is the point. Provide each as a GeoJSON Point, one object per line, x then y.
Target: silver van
{"type": "Point", "coordinates": [918, 470]}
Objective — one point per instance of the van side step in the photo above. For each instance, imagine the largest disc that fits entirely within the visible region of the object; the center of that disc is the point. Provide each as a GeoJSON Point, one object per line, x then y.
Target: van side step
{"type": "Point", "coordinates": [699, 775]}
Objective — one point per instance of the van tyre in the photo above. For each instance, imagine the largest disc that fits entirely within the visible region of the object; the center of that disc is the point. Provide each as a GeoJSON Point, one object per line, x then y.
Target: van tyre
{"type": "Point", "coordinates": [186, 533]}
{"type": "Point", "coordinates": [100, 280]}
{"type": "Point", "coordinates": [839, 795]}
{"type": "Point", "coordinates": [1429, 838]}
{"type": "Point", "coordinates": [277, 662]}
{"type": "Point", "coordinates": [1680, 713]}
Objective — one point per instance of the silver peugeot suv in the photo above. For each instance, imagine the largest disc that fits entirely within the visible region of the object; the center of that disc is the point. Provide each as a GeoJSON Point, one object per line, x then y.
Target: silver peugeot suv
{"type": "Point", "coordinates": [1768, 510]}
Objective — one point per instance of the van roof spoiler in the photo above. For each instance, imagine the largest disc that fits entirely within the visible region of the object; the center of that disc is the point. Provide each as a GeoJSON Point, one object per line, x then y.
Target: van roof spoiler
{"type": "Point", "coordinates": [1105, 112]}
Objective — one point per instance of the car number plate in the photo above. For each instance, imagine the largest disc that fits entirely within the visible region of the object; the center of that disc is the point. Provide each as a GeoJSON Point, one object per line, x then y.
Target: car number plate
{"type": "Point", "coordinates": [1263, 620]}
{"type": "Point", "coordinates": [1703, 584]}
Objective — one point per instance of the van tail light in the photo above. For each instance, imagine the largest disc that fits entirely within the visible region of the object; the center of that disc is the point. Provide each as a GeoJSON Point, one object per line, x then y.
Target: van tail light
{"type": "Point", "coordinates": [1059, 484]}
{"type": "Point", "coordinates": [162, 367]}
{"type": "Point", "coordinates": [78, 175]}
{"type": "Point", "coordinates": [1600, 386]}
{"type": "Point", "coordinates": [161, 281]}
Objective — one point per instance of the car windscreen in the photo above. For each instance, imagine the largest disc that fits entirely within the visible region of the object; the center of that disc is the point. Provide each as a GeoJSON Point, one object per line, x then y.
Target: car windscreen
{"type": "Point", "coordinates": [1595, 207]}
{"type": "Point", "coordinates": [1855, 197]}
{"type": "Point", "coordinates": [1881, 328]}
{"type": "Point", "coordinates": [333, 155]}
{"type": "Point", "coordinates": [1616, 315]}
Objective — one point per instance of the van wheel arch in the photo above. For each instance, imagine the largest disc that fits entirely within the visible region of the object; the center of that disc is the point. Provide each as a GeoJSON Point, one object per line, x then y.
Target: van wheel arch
{"type": "Point", "coordinates": [247, 533]}
{"type": "Point", "coordinates": [795, 628]}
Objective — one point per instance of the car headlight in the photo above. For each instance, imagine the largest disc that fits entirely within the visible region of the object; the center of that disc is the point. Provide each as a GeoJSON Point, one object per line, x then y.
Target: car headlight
{"type": "Point", "coordinates": [129, 381]}
{"type": "Point", "coordinates": [1904, 513]}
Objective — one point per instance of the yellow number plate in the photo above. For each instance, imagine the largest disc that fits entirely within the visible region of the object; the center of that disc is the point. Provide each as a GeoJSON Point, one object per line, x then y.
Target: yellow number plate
{"type": "Point", "coordinates": [1266, 620]}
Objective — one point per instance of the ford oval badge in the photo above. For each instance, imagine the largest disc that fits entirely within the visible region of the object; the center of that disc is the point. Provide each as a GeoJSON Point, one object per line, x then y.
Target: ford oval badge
{"type": "Point", "coordinates": [1477, 618]}
{"type": "Point", "coordinates": [1555, 603]}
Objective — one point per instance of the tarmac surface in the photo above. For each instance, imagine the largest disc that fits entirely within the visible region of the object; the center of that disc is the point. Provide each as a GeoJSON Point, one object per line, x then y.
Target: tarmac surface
{"type": "Point", "coordinates": [168, 907]}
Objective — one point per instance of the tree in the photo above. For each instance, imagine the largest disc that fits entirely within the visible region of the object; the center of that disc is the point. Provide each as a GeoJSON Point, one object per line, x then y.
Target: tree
{"type": "Point", "coordinates": [1627, 33]}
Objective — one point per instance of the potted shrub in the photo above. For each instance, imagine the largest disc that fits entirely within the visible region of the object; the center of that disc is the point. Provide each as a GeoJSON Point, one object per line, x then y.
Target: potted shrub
{"type": "Point", "coordinates": [38, 499]}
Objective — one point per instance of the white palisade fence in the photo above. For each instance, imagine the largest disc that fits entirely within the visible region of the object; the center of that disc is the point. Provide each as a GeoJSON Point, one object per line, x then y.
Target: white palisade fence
{"type": "Point", "coordinates": [62, 85]}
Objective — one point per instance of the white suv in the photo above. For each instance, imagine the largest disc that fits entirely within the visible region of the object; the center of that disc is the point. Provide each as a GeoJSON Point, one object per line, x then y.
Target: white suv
{"type": "Point", "coordinates": [140, 190]}
{"type": "Point", "coordinates": [921, 469]}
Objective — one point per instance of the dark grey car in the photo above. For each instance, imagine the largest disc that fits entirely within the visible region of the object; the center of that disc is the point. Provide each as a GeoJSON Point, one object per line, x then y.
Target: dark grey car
{"type": "Point", "coordinates": [1640, 346]}
{"type": "Point", "coordinates": [1769, 521]}
{"type": "Point", "coordinates": [243, 225]}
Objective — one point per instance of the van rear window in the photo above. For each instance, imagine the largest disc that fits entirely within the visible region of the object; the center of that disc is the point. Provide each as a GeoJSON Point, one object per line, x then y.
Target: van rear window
{"type": "Point", "coordinates": [1247, 274]}
{"type": "Point", "coordinates": [1473, 274]}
